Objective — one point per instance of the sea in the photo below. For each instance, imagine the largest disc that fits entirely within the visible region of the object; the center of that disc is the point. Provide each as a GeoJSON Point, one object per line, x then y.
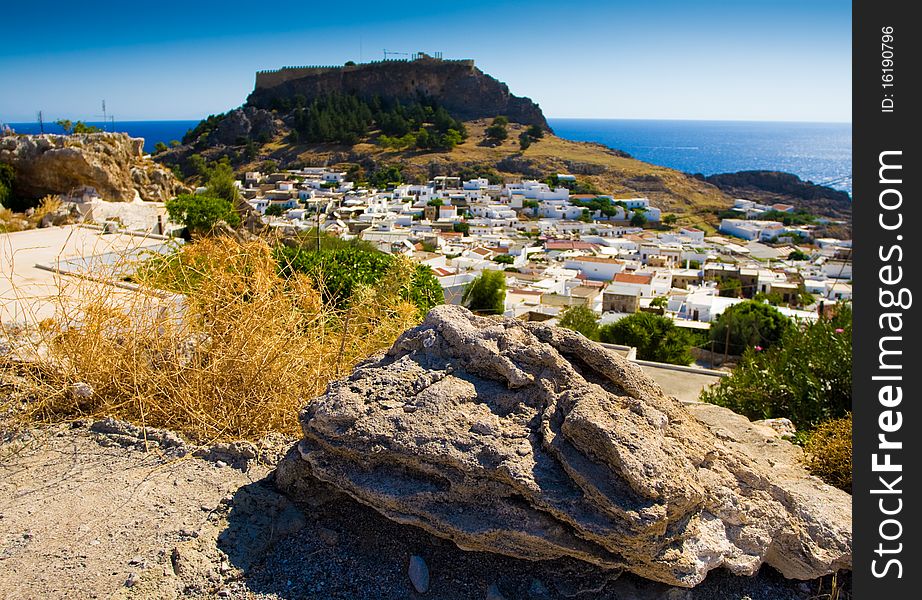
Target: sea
{"type": "Point", "coordinates": [817, 152]}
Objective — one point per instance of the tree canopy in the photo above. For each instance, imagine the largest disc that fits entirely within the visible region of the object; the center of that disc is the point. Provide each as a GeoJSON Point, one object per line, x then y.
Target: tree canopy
{"type": "Point", "coordinates": [487, 293]}
{"type": "Point", "coordinates": [201, 212]}
{"type": "Point", "coordinates": [581, 319]}
{"type": "Point", "coordinates": [656, 338]}
{"type": "Point", "coordinates": [749, 324]}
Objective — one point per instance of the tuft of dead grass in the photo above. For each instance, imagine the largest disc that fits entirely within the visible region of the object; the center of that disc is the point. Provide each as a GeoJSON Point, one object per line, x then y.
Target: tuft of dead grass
{"type": "Point", "coordinates": [212, 342]}
{"type": "Point", "coordinates": [828, 452]}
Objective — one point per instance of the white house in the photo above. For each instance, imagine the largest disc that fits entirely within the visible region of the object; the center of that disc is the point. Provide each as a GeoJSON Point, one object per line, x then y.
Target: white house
{"type": "Point", "coordinates": [597, 268]}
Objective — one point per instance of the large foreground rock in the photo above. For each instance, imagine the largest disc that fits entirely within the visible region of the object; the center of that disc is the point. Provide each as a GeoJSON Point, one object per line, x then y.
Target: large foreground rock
{"type": "Point", "coordinates": [533, 442]}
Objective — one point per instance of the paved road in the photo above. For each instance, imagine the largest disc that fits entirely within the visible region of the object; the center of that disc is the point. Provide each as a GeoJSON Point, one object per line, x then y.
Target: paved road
{"type": "Point", "coordinates": [684, 385]}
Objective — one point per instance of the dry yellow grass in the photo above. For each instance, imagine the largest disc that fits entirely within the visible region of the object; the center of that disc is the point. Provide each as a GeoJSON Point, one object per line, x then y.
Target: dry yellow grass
{"type": "Point", "coordinates": [233, 357]}
{"type": "Point", "coordinates": [828, 452]}
{"type": "Point", "coordinates": [11, 222]}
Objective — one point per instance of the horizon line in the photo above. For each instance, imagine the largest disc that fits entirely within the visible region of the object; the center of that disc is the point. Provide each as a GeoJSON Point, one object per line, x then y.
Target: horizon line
{"type": "Point", "coordinates": [682, 119]}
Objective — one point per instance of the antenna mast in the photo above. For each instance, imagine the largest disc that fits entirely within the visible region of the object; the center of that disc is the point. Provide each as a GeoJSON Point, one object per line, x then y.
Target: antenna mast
{"type": "Point", "coordinates": [41, 122]}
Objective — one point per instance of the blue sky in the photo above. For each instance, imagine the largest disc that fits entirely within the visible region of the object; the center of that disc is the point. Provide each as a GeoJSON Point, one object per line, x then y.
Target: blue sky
{"type": "Point", "coordinates": [711, 59]}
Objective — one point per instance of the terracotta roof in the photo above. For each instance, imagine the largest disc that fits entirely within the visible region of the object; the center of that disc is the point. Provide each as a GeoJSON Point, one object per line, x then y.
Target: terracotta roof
{"type": "Point", "coordinates": [525, 292]}
{"type": "Point", "coordinates": [631, 278]}
{"type": "Point", "coordinates": [598, 259]}
{"type": "Point", "coordinates": [568, 245]}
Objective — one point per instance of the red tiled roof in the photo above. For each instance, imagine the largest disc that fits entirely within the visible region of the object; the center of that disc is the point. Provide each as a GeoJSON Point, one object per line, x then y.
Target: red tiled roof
{"type": "Point", "coordinates": [568, 245]}
{"type": "Point", "coordinates": [631, 278]}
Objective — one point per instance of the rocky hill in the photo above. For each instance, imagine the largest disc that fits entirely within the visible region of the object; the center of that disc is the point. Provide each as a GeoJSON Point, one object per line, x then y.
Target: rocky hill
{"type": "Point", "coordinates": [113, 163]}
{"type": "Point", "coordinates": [776, 186]}
{"type": "Point", "coordinates": [458, 85]}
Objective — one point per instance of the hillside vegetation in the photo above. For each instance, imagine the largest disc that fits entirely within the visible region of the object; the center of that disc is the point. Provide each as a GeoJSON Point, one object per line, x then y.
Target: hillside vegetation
{"type": "Point", "coordinates": [598, 167]}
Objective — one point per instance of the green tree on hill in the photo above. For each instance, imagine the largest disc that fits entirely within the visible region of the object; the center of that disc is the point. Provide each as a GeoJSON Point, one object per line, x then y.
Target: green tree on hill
{"type": "Point", "coordinates": [222, 183]}
{"type": "Point", "coordinates": [65, 124]}
{"type": "Point", "coordinates": [497, 131]}
{"type": "Point", "coordinates": [487, 293]}
{"type": "Point", "coordinates": [81, 127]}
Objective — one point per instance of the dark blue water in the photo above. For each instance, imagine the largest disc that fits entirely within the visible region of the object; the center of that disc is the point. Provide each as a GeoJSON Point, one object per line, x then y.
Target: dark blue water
{"type": "Point", "coordinates": [818, 152]}
{"type": "Point", "coordinates": [151, 131]}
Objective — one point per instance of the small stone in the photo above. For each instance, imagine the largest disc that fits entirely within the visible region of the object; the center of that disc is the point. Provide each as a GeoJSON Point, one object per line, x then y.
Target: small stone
{"type": "Point", "coordinates": [135, 561]}
{"type": "Point", "coordinates": [493, 593]}
{"type": "Point", "coordinates": [419, 574]}
{"type": "Point", "coordinates": [220, 464]}
{"type": "Point", "coordinates": [133, 579]}
{"type": "Point", "coordinates": [81, 390]}
{"type": "Point", "coordinates": [327, 536]}
{"type": "Point", "coordinates": [224, 593]}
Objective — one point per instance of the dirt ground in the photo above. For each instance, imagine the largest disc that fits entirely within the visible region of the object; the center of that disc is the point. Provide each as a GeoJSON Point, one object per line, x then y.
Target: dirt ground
{"type": "Point", "coordinates": [109, 510]}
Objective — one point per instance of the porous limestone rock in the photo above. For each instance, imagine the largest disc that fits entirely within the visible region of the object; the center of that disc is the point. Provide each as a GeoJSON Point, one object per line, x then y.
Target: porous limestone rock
{"type": "Point", "coordinates": [531, 441]}
{"type": "Point", "coordinates": [113, 163]}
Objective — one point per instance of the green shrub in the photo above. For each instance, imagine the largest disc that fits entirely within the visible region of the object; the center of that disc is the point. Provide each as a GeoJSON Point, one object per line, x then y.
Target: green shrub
{"type": "Point", "coordinates": [747, 325]}
{"type": "Point", "coordinates": [580, 319]}
{"type": "Point", "coordinates": [806, 376]}
{"type": "Point", "coordinates": [487, 293]}
{"type": "Point", "coordinates": [828, 452]}
{"type": "Point", "coordinates": [201, 212]}
{"type": "Point", "coordinates": [656, 338]}
{"type": "Point", "coordinates": [338, 272]}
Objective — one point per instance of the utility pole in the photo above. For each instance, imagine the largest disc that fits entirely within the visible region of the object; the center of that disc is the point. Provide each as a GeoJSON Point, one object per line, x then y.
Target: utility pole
{"type": "Point", "coordinates": [318, 226]}
{"type": "Point", "coordinates": [41, 122]}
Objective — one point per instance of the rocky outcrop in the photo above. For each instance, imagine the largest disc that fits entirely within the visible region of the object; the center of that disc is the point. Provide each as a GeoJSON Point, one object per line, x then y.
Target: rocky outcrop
{"type": "Point", "coordinates": [772, 187]}
{"type": "Point", "coordinates": [533, 442]}
{"type": "Point", "coordinates": [463, 89]}
{"type": "Point", "coordinates": [113, 163]}
{"type": "Point", "coordinates": [247, 123]}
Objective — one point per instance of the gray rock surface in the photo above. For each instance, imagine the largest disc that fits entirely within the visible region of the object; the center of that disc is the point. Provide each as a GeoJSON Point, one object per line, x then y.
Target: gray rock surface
{"type": "Point", "coordinates": [533, 442]}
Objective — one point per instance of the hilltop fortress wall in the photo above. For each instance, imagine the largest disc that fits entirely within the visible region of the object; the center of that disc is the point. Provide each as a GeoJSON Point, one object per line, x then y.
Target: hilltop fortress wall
{"type": "Point", "coordinates": [458, 85]}
{"type": "Point", "coordinates": [273, 77]}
